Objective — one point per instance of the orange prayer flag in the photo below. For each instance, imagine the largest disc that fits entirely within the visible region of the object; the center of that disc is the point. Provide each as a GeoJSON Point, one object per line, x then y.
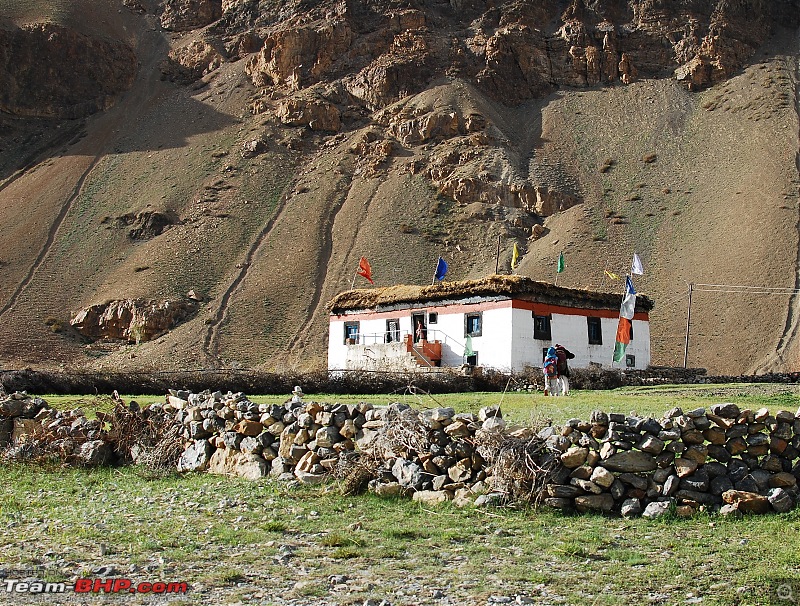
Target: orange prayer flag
{"type": "Point", "coordinates": [364, 270]}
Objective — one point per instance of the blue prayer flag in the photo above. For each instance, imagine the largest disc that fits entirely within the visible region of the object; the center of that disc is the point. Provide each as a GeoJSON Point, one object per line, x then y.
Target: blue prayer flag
{"type": "Point", "coordinates": [441, 269]}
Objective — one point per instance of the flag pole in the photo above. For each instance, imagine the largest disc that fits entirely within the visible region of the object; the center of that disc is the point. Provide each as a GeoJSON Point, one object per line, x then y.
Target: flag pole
{"type": "Point", "coordinates": [497, 257]}
{"type": "Point", "coordinates": [353, 283]}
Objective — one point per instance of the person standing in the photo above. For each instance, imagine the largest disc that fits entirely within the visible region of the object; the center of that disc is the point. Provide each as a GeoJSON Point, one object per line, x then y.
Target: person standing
{"type": "Point", "coordinates": [550, 372]}
{"type": "Point", "coordinates": [562, 355]}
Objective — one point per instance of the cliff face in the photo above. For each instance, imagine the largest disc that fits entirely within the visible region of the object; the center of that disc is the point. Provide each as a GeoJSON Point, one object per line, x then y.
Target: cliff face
{"type": "Point", "coordinates": [50, 71]}
{"type": "Point", "coordinates": [253, 150]}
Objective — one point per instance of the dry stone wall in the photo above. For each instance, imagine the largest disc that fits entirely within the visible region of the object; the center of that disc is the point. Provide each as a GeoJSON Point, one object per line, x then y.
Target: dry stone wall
{"type": "Point", "coordinates": [721, 459]}
{"type": "Point", "coordinates": [724, 458]}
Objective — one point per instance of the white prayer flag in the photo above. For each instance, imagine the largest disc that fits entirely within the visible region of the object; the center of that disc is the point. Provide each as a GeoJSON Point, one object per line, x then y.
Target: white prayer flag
{"type": "Point", "coordinates": [636, 266]}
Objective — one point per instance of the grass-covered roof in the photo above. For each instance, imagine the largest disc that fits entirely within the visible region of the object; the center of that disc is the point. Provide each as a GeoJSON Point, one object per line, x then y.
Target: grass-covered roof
{"type": "Point", "coordinates": [491, 286]}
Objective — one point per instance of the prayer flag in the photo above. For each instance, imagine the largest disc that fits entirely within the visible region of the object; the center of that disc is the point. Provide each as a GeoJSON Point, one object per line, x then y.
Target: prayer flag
{"type": "Point", "coordinates": [364, 270]}
{"type": "Point", "coordinates": [441, 269]}
{"type": "Point", "coordinates": [622, 339]}
{"type": "Point", "coordinates": [626, 312]}
{"type": "Point", "coordinates": [468, 347]}
{"type": "Point", "coordinates": [611, 274]}
{"type": "Point", "coordinates": [636, 266]}
{"type": "Point", "coordinates": [628, 306]}
{"type": "Point", "coordinates": [515, 257]}
{"type": "Point", "coordinates": [561, 265]}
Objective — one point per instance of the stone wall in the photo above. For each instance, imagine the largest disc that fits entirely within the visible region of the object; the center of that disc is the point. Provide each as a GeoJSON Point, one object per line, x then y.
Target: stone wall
{"type": "Point", "coordinates": [722, 459]}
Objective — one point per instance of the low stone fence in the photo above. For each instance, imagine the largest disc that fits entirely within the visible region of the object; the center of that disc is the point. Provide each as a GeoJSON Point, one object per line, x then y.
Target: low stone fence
{"type": "Point", "coordinates": [27, 422]}
{"type": "Point", "coordinates": [721, 459]}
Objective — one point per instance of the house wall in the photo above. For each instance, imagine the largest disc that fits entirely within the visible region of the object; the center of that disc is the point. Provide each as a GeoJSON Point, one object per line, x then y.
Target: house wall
{"type": "Point", "coordinates": [506, 341]}
{"type": "Point", "coordinates": [380, 356]}
{"type": "Point", "coordinates": [571, 331]}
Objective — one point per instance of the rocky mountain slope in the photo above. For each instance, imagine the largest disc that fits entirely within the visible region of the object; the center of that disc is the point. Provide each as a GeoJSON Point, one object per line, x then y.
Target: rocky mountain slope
{"type": "Point", "coordinates": [225, 163]}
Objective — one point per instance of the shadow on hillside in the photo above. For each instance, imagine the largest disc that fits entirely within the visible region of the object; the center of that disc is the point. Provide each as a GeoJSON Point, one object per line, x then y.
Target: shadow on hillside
{"type": "Point", "coordinates": [24, 144]}
{"type": "Point", "coordinates": [152, 114]}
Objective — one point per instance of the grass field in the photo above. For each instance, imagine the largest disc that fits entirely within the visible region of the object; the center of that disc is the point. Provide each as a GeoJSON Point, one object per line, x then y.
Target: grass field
{"type": "Point", "coordinates": [236, 541]}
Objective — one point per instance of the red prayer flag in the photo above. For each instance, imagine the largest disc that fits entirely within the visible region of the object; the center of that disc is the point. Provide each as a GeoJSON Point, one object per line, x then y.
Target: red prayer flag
{"type": "Point", "coordinates": [624, 331]}
{"type": "Point", "coordinates": [364, 270]}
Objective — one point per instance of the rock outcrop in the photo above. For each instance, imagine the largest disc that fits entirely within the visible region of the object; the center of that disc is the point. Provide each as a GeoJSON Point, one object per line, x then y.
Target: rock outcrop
{"type": "Point", "coordinates": [184, 15]}
{"type": "Point", "coordinates": [316, 114]}
{"type": "Point", "coordinates": [132, 320]}
{"type": "Point", "coordinates": [192, 61]}
{"type": "Point", "coordinates": [50, 71]}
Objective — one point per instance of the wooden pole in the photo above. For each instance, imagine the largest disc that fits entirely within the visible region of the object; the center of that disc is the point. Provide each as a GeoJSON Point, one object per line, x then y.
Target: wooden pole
{"type": "Point", "coordinates": [688, 323]}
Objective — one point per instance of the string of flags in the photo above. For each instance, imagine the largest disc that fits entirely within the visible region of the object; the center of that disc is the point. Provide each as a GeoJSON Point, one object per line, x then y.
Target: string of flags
{"type": "Point", "coordinates": [626, 311]}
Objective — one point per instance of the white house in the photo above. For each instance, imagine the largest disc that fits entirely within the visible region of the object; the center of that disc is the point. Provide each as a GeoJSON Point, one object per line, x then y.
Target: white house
{"type": "Point", "coordinates": [500, 322]}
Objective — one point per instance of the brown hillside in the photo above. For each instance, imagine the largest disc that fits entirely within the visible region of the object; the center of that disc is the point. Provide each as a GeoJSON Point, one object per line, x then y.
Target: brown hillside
{"type": "Point", "coordinates": [252, 152]}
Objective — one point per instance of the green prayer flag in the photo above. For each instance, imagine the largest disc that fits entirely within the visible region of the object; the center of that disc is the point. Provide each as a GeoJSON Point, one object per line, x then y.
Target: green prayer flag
{"type": "Point", "coordinates": [468, 347]}
{"type": "Point", "coordinates": [561, 264]}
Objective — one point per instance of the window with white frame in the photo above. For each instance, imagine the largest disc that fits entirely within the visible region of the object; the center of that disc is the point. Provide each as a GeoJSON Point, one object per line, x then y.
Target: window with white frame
{"type": "Point", "coordinates": [392, 330]}
{"type": "Point", "coordinates": [351, 331]}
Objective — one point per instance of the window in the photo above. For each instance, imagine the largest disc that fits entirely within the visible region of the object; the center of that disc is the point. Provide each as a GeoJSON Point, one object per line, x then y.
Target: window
{"type": "Point", "coordinates": [541, 328]}
{"type": "Point", "coordinates": [595, 331]}
{"type": "Point", "coordinates": [392, 330]}
{"type": "Point", "coordinates": [351, 333]}
{"type": "Point", "coordinates": [473, 325]}
{"type": "Point", "coordinates": [472, 359]}
{"type": "Point", "coordinates": [631, 331]}
{"type": "Point", "coordinates": [630, 361]}
{"type": "Point", "coordinates": [433, 317]}
{"type": "Point", "coordinates": [544, 353]}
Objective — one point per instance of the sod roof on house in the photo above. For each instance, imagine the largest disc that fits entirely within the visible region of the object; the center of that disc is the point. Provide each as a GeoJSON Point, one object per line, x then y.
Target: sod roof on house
{"type": "Point", "coordinates": [503, 286]}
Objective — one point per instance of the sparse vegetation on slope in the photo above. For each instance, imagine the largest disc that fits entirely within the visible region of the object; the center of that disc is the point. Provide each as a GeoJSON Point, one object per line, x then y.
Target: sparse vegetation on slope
{"type": "Point", "coordinates": [282, 143]}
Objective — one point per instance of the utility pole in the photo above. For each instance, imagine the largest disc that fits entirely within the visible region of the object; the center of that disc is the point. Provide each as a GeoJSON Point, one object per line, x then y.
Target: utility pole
{"type": "Point", "coordinates": [688, 322]}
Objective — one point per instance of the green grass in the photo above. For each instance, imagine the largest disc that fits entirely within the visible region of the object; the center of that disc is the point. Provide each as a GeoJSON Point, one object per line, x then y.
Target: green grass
{"type": "Point", "coordinates": [225, 535]}
{"type": "Point", "coordinates": [185, 527]}
{"type": "Point", "coordinates": [523, 407]}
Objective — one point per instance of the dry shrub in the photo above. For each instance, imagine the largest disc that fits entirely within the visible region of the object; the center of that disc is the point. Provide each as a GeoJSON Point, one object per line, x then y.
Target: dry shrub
{"type": "Point", "coordinates": [149, 437]}
{"type": "Point", "coordinates": [521, 467]}
{"type": "Point", "coordinates": [354, 470]}
{"type": "Point", "coordinates": [404, 432]}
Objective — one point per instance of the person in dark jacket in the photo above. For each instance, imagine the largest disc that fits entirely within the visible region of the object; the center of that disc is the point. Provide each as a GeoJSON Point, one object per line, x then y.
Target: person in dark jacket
{"type": "Point", "coordinates": [563, 354]}
{"type": "Point", "coordinates": [550, 372]}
